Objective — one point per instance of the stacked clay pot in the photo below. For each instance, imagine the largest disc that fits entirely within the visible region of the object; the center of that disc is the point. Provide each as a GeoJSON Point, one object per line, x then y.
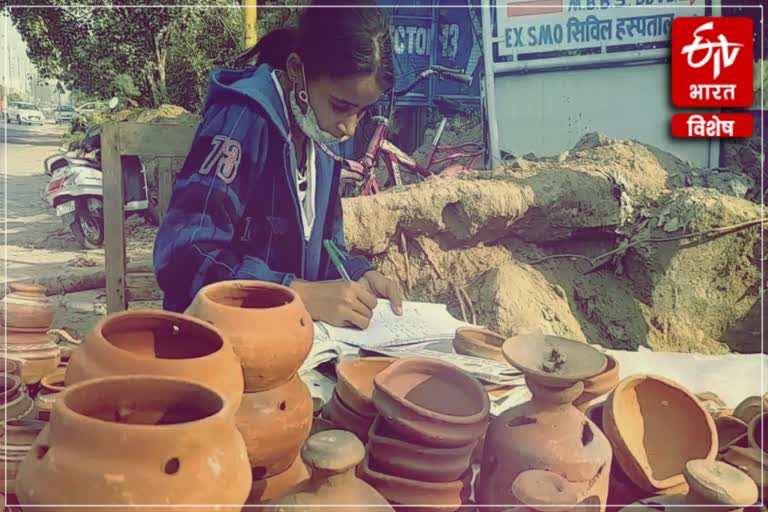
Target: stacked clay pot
{"type": "Point", "coordinates": [17, 439]}
{"type": "Point", "coordinates": [136, 440]}
{"type": "Point", "coordinates": [351, 407]}
{"type": "Point", "coordinates": [431, 417]}
{"type": "Point", "coordinates": [271, 333]}
{"type": "Point", "coordinates": [548, 433]}
{"type": "Point", "coordinates": [29, 315]}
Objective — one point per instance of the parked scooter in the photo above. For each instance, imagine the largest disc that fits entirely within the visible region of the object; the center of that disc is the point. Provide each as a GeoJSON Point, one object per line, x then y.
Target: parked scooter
{"type": "Point", "coordinates": [75, 188]}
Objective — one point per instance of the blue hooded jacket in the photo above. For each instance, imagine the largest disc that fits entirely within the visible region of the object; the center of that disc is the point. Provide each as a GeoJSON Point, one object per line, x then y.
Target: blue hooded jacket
{"type": "Point", "coordinates": [234, 212]}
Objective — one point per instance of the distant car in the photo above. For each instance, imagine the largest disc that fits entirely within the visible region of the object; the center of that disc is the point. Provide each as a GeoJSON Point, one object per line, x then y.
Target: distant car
{"type": "Point", "coordinates": [91, 107]}
{"type": "Point", "coordinates": [24, 113]}
{"type": "Point", "coordinates": [65, 114]}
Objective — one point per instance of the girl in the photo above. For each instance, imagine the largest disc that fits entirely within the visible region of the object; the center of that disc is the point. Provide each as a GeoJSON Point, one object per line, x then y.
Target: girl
{"type": "Point", "coordinates": [256, 196]}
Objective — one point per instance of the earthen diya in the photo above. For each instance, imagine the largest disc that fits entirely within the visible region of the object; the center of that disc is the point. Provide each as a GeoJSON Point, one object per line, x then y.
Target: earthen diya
{"type": "Point", "coordinates": [162, 343]}
{"type": "Point", "coordinates": [267, 324]}
{"type": "Point", "coordinates": [354, 383]}
{"type": "Point", "coordinates": [478, 342]}
{"type": "Point", "coordinates": [146, 440]}
{"type": "Point", "coordinates": [430, 402]}
{"type": "Point", "coordinates": [655, 427]}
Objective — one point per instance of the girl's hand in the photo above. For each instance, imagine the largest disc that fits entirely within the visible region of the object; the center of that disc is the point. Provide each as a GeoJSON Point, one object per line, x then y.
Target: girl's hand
{"type": "Point", "coordinates": [385, 288]}
{"type": "Point", "coordinates": [340, 303]}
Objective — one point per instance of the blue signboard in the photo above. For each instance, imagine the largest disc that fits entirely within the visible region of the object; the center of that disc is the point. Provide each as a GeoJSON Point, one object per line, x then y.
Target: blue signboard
{"type": "Point", "coordinates": [447, 34]}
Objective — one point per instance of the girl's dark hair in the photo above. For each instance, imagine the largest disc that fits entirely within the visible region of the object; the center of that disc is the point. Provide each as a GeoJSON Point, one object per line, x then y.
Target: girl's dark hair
{"type": "Point", "coordinates": [334, 38]}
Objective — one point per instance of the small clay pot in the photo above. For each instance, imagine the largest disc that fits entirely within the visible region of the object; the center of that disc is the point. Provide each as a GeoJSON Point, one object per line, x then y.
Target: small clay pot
{"type": "Point", "coordinates": [599, 385]}
{"type": "Point", "coordinates": [51, 387]}
{"type": "Point", "coordinates": [477, 342]}
{"type": "Point", "coordinates": [756, 432]}
{"type": "Point", "coordinates": [152, 439]}
{"type": "Point", "coordinates": [431, 402]}
{"type": "Point", "coordinates": [344, 418]}
{"type": "Point", "coordinates": [162, 343]}
{"type": "Point", "coordinates": [355, 382]}
{"type": "Point", "coordinates": [15, 402]}
{"type": "Point", "coordinates": [750, 407]}
{"type": "Point", "coordinates": [265, 490]}
{"type": "Point", "coordinates": [655, 426]}
{"type": "Point", "coordinates": [267, 324]}
{"type": "Point", "coordinates": [752, 462]}
{"type": "Point", "coordinates": [27, 308]}
{"type": "Point", "coordinates": [731, 431]}
{"type": "Point", "coordinates": [396, 457]}
{"type": "Point", "coordinates": [274, 425]}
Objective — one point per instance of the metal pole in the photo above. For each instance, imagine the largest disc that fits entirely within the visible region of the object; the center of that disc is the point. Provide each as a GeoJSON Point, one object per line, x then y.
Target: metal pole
{"type": "Point", "coordinates": [250, 18]}
{"type": "Point", "coordinates": [490, 90]}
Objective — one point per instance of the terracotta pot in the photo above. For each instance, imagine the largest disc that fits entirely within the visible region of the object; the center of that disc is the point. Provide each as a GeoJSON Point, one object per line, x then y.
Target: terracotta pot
{"type": "Point", "coordinates": [544, 490]}
{"type": "Point", "coordinates": [712, 484]}
{"type": "Point", "coordinates": [752, 462]}
{"type": "Point", "coordinates": [51, 387]}
{"type": "Point", "coordinates": [355, 382]}
{"type": "Point", "coordinates": [267, 324]}
{"type": "Point", "coordinates": [445, 496]}
{"type": "Point", "coordinates": [332, 457]}
{"type": "Point", "coordinates": [344, 418]}
{"type": "Point", "coordinates": [10, 366]}
{"type": "Point", "coordinates": [400, 458]}
{"type": "Point", "coordinates": [37, 360]}
{"type": "Point", "coordinates": [750, 407]}
{"type": "Point", "coordinates": [599, 385]}
{"type": "Point", "coordinates": [730, 431]}
{"type": "Point", "coordinates": [275, 487]}
{"type": "Point", "coordinates": [655, 427]}
{"type": "Point", "coordinates": [431, 402]}
{"type": "Point", "coordinates": [151, 439]}
{"type": "Point", "coordinates": [275, 424]}
{"type": "Point", "coordinates": [15, 403]}
{"type": "Point", "coordinates": [27, 308]}
{"type": "Point", "coordinates": [756, 432]}
{"type": "Point", "coordinates": [477, 342]}
{"type": "Point", "coordinates": [18, 437]}
{"type": "Point", "coordinates": [548, 432]}
{"type": "Point", "coordinates": [156, 342]}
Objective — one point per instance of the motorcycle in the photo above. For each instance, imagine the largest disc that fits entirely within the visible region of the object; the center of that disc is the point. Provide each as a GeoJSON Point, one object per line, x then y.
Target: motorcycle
{"type": "Point", "coordinates": [75, 188]}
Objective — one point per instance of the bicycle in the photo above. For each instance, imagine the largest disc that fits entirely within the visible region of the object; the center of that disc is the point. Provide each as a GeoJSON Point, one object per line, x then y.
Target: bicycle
{"type": "Point", "coordinates": [359, 175]}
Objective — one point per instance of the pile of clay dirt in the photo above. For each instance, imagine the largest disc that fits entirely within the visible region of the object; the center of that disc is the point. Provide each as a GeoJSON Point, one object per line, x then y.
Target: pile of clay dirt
{"type": "Point", "coordinates": [164, 114]}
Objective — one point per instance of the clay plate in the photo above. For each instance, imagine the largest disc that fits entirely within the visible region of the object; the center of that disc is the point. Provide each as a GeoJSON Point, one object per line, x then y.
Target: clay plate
{"type": "Point", "coordinates": [477, 342]}
{"type": "Point", "coordinates": [355, 382]}
{"type": "Point", "coordinates": [553, 361]}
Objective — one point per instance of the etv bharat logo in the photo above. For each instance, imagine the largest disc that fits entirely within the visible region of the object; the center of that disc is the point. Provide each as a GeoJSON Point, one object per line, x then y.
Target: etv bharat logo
{"type": "Point", "coordinates": [723, 53]}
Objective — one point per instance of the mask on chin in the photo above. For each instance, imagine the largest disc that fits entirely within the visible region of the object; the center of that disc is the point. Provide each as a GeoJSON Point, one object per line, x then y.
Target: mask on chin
{"type": "Point", "coordinates": [308, 121]}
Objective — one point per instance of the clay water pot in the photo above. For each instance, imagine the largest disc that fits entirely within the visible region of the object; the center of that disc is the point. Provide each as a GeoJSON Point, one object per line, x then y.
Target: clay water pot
{"type": "Point", "coordinates": [655, 427]}
{"type": "Point", "coordinates": [750, 407]}
{"type": "Point", "coordinates": [408, 460]}
{"type": "Point", "coordinates": [267, 324]}
{"type": "Point", "coordinates": [15, 402]}
{"type": "Point", "coordinates": [752, 462]}
{"type": "Point", "coordinates": [332, 457]}
{"type": "Point", "coordinates": [274, 424]}
{"type": "Point", "coordinates": [344, 418]}
{"type": "Point", "coordinates": [477, 342]}
{"type": "Point", "coordinates": [27, 308]}
{"type": "Point", "coordinates": [161, 343]}
{"type": "Point", "coordinates": [730, 431]}
{"type": "Point", "coordinates": [548, 432]}
{"type": "Point", "coordinates": [354, 383]}
{"type": "Point", "coordinates": [431, 402]}
{"type": "Point", "coordinates": [275, 487]}
{"type": "Point", "coordinates": [712, 484]}
{"type": "Point", "coordinates": [756, 432]}
{"type": "Point", "coordinates": [146, 440]}
{"type": "Point", "coordinates": [445, 496]}
{"type": "Point", "coordinates": [538, 489]}
{"type": "Point", "coordinates": [600, 384]}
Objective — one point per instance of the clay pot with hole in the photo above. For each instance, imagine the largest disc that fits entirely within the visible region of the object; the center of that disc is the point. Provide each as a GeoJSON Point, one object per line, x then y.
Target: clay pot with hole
{"type": "Point", "coordinates": [332, 457]}
{"type": "Point", "coordinates": [731, 431]}
{"type": "Point", "coordinates": [478, 342]}
{"type": "Point", "coordinates": [344, 418]}
{"type": "Point", "coordinates": [712, 484]}
{"type": "Point", "coordinates": [547, 432]}
{"type": "Point", "coordinates": [750, 407]}
{"type": "Point", "coordinates": [264, 490]}
{"type": "Point", "coordinates": [444, 496]}
{"type": "Point", "coordinates": [354, 383]}
{"type": "Point", "coordinates": [655, 426]}
{"type": "Point", "coordinates": [26, 308]}
{"type": "Point", "coordinates": [397, 457]}
{"type": "Point", "coordinates": [756, 432]}
{"type": "Point", "coordinates": [599, 385]}
{"type": "Point", "coordinates": [430, 402]}
{"type": "Point", "coordinates": [162, 343]}
{"type": "Point", "coordinates": [267, 324]}
{"type": "Point", "coordinates": [274, 424]}
{"type": "Point", "coordinates": [146, 440]}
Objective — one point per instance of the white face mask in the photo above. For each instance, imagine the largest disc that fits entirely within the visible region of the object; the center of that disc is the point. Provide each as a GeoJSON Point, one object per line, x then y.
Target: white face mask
{"type": "Point", "coordinates": [308, 122]}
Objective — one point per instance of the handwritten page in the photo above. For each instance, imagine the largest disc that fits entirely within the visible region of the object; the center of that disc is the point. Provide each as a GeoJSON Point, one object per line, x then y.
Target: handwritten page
{"type": "Point", "coordinates": [420, 322]}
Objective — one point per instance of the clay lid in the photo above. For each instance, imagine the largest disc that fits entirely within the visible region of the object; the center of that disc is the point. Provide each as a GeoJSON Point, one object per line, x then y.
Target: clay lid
{"type": "Point", "coordinates": [553, 361]}
{"type": "Point", "coordinates": [478, 342]}
{"type": "Point", "coordinates": [333, 450]}
{"type": "Point", "coordinates": [545, 489]}
{"type": "Point", "coordinates": [721, 483]}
